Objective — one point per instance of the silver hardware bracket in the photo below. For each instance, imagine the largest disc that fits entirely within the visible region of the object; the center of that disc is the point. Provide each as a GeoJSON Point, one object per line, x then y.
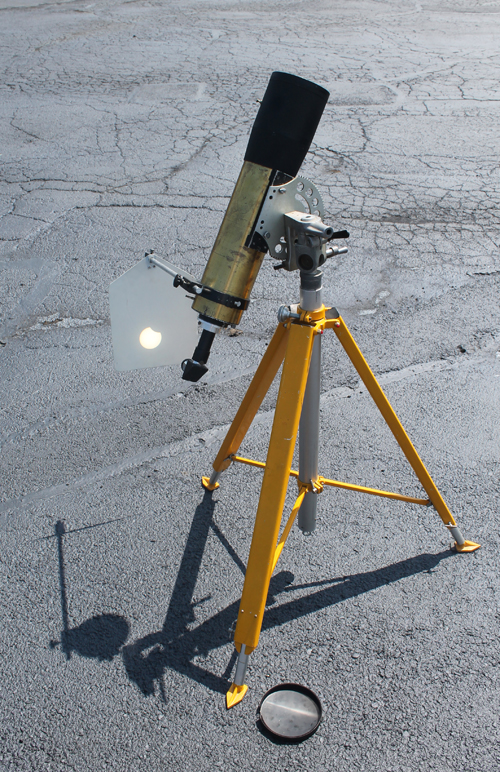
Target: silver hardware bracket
{"type": "Point", "coordinates": [299, 195]}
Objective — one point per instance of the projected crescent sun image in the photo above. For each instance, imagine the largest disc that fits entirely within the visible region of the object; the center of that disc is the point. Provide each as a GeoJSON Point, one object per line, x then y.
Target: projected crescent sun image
{"type": "Point", "coordinates": [149, 338]}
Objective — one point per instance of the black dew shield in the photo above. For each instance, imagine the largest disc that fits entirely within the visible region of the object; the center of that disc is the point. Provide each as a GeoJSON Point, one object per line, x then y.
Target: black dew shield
{"type": "Point", "coordinates": [286, 123]}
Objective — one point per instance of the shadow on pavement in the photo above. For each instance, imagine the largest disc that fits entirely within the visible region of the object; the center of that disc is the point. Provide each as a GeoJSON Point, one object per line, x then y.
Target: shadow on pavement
{"type": "Point", "coordinates": [176, 644]}
{"type": "Point", "coordinates": [100, 637]}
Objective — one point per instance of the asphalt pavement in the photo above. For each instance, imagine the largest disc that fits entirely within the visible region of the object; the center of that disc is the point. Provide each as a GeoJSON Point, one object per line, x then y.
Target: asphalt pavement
{"type": "Point", "coordinates": [124, 126]}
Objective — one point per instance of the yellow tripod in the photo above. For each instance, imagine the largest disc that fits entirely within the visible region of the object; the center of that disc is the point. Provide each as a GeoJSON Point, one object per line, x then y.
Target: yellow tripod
{"type": "Point", "coordinates": [292, 344]}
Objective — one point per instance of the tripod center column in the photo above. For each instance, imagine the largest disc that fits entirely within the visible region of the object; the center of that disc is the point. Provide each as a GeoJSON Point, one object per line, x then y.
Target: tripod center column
{"type": "Point", "coordinates": [310, 300]}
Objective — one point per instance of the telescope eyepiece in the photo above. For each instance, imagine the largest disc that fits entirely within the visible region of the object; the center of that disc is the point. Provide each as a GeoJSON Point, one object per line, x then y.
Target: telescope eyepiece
{"type": "Point", "coordinates": [193, 371]}
{"type": "Point", "coordinates": [195, 368]}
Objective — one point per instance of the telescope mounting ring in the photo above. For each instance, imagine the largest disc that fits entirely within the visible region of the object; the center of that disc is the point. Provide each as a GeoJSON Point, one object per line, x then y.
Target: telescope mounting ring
{"type": "Point", "coordinates": [298, 195]}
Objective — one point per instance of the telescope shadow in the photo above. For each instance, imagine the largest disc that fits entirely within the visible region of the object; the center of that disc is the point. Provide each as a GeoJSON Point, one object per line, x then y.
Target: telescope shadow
{"type": "Point", "coordinates": [100, 637]}
{"type": "Point", "coordinates": [175, 646]}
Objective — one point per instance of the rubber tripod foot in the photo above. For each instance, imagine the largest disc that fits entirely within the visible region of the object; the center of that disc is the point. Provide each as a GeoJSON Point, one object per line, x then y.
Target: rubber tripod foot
{"type": "Point", "coordinates": [235, 695]}
{"type": "Point", "coordinates": [467, 546]}
{"type": "Point", "coordinates": [205, 481]}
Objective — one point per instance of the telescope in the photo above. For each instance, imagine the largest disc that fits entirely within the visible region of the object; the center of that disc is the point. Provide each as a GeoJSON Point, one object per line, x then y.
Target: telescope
{"type": "Point", "coordinates": [152, 324]}
{"type": "Point", "coordinates": [271, 211]}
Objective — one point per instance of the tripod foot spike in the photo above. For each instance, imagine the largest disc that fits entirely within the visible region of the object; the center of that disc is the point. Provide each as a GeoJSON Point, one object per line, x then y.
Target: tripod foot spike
{"type": "Point", "coordinates": [460, 544]}
{"type": "Point", "coordinates": [235, 695]}
{"type": "Point", "coordinates": [467, 546]}
{"type": "Point", "coordinates": [205, 481]}
{"type": "Point", "coordinates": [238, 688]}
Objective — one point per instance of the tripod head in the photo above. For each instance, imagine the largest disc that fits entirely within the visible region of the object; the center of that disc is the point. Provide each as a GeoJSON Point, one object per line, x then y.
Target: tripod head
{"type": "Point", "coordinates": [271, 210]}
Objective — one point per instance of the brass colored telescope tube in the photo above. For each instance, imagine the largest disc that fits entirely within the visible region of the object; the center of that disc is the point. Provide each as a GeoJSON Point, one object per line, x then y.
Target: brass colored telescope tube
{"type": "Point", "coordinates": [232, 267]}
{"type": "Point", "coordinates": [280, 138]}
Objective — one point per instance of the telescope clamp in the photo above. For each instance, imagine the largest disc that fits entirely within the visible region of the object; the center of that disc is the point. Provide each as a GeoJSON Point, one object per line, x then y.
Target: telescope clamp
{"type": "Point", "coordinates": [296, 237]}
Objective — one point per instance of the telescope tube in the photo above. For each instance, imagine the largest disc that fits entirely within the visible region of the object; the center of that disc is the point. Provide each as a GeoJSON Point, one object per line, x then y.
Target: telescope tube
{"type": "Point", "coordinates": [280, 138]}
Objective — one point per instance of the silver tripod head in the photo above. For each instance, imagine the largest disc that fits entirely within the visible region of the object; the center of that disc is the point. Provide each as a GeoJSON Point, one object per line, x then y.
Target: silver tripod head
{"type": "Point", "coordinates": [290, 222]}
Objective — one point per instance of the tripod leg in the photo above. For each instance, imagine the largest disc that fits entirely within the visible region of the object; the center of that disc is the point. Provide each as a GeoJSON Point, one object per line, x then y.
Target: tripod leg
{"type": "Point", "coordinates": [271, 501]}
{"type": "Point", "coordinates": [259, 386]}
{"type": "Point", "coordinates": [404, 442]}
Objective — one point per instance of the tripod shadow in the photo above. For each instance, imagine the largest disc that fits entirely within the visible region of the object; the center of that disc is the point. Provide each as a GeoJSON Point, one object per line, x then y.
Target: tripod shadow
{"type": "Point", "coordinates": [100, 637]}
{"type": "Point", "coordinates": [177, 644]}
